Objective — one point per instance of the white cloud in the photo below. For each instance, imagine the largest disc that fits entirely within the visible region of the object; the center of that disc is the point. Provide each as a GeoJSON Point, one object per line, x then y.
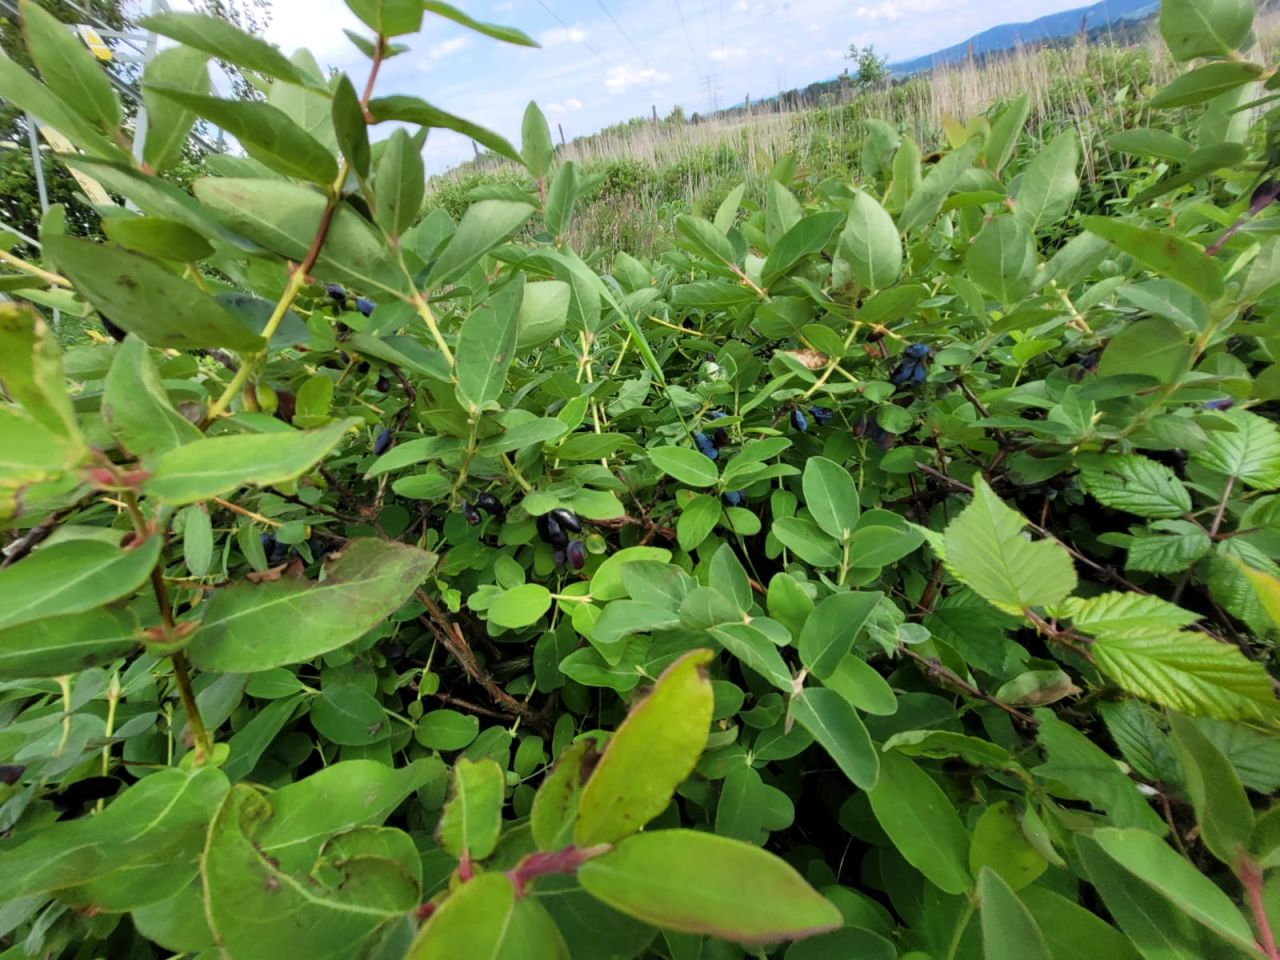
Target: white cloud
{"type": "Point", "coordinates": [741, 6]}
{"type": "Point", "coordinates": [571, 105]}
{"type": "Point", "coordinates": [897, 9]}
{"type": "Point", "coordinates": [726, 54]}
{"type": "Point", "coordinates": [438, 51]}
{"type": "Point", "coordinates": [560, 35]}
{"type": "Point", "coordinates": [624, 78]}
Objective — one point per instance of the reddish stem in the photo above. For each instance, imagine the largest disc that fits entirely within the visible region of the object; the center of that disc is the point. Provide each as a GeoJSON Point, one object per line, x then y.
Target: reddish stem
{"type": "Point", "coordinates": [1251, 880]}
{"type": "Point", "coordinates": [541, 864]}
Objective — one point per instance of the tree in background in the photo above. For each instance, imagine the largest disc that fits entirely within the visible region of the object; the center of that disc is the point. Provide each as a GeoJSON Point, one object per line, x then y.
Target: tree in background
{"type": "Point", "coordinates": [871, 70]}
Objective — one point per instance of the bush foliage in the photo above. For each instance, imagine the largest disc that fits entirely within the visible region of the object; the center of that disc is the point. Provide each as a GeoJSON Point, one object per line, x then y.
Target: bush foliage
{"type": "Point", "coordinates": [889, 569]}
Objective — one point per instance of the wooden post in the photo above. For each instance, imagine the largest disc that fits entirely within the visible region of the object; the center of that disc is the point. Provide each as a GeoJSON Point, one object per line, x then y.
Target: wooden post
{"type": "Point", "coordinates": [475, 149]}
{"type": "Point", "coordinates": [655, 113]}
{"type": "Point", "coordinates": [561, 129]}
{"type": "Point", "coordinates": [748, 108]}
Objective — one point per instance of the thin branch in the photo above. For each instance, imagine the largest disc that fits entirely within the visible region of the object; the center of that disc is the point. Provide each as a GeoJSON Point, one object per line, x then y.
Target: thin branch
{"type": "Point", "coordinates": [935, 670]}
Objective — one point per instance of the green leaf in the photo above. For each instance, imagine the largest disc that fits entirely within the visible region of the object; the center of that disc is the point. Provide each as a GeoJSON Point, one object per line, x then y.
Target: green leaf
{"type": "Point", "coordinates": [1120, 612]}
{"type": "Point", "coordinates": [485, 225]}
{"type": "Point", "coordinates": [698, 518]}
{"type": "Point", "coordinates": [415, 110]}
{"type": "Point", "coordinates": [1155, 347]}
{"type": "Point", "coordinates": [217, 465]}
{"type": "Point", "coordinates": [1009, 932]}
{"type": "Point", "coordinates": [870, 244]}
{"type": "Point", "coordinates": [1155, 926]}
{"type": "Point", "coordinates": [160, 820]}
{"type": "Point", "coordinates": [350, 127]}
{"type": "Point", "coordinates": [943, 744]}
{"type": "Point", "coordinates": [144, 298]}
{"type": "Point", "coordinates": [197, 540]}
{"type": "Point", "coordinates": [1148, 142]}
{"type": "Point", "coordinates": [483, 918]}
{"type": "Point", "coordinates": [649, 755]}
{"type": "Point", "coordinates": [24, 91]}
{"type": "Point", "coordinates": [349, 715]}
{"type": "Point", "coordinates": [159, 238]}
{"type": "Point", "coordinates": [73, 73]}
{"type": "Point", "coordinates": [1223, 811]}
{"type": "Point", "coordinates": [535, 142]}
{"type": "Point", "coordinates": [1169, 254]}
{"type": "Point", "coordinates": [1171, 547]}
{"type": "Point", "coordinates": [219, 38]}
{"type": "Point", "coordinates": [859, 683]}
{"type": "Point", "coordinates": [987, 552]}
{"type": "Point", "coordinates": [332, 910]}
{"type": "Point", "coordinates": [927, 200]}
{"type": "Point", "coordinates": [1205, 83]}
{"type": "Point", "coordinates": [1152, 861]}
{"type": "Point", "coordinates": [497, 32]}
{"type": "Point", "coordinates": [1001, 846]}
{"type": "Point", "coordinates": [831, 496]}
{"type": "Point", "coordinates": [446, 730]}
{"type": "Point", "coordinates": [808, 237]}
{"type": "Point", "coordinates": [555, 805]}
{"type": "Point", "coordinates": [136, 407]}
{"type": "Point", "coordinates": [1005, 132]}
{"type": "Point", "coordinates": [1187, 671]}
{"type": "Point", "coordinates": [1205, 28]}
{"type": "Point", "coordinates": [696, 882]}
{"type": "Point", "coordinates": [836, 726]}
{"type": "Point", "coordinates": [1072, 931]}
{"type": "Point", "coordinates": [249, 627]}
{"type": "Point", "coordinates": [1091, 774]}
{"type": "Point", "coordinates": [830, 630]}
{"type": "Point", "coordinates": [284, 217]}
{"type": "Point", "coordinates": [390, 18]}
{"type": "Point", "coordinates": [807, 541]}
{"type": "Point", "coordinates": [1137, 485]}
{"type": "Point", "coordinates": [486, 347]}
{"type": "Point", "coordinates": [57, 645]}
{"type": "Point", "coordinates": [543, 312]}
{"type": "Point", "coordinates": [74, 576]}
{"type": "Point", "coordinates": [267, 133]}
{"type": "Point", "coordinates": [400, 183]}
{"type": "Point", "coordinates": [705, 239]}
{"type": "Point", "coordinates": [472, 818]}
{"type": "Point", "coordinates": [686, 465]}
{"type": "Point", "coordinates": [1002, 259]}
{"type": "Point", "coordinates": [336, 800]}
{"type": "Point", "coordinates": [1049, 184]}
{"type": "Point", "coordinates": [520, 606]}
{"type": "Point", "coordinates": [922, 823]}
{"type": "Point", "coordinates": [1251, 452]}
{"type": "Point", "coordinates": [756, 650]}
{"type": "Point", "coordinates": [31, 372]}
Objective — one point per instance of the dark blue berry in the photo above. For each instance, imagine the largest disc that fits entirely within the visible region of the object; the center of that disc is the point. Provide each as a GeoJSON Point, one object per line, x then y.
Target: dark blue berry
{"type": "Point", "coordinates": [705, 445]}
{"type": "Point", "coordinates": [470, 514]}
{"type": "Point", "coordinates": [490, 504]}
{"type": "Point", "coordinates": [799, 420]}
{"type": "Point", "coordinates": [919, 373]}
{"type": "Point", "coordinates": [567, 519]}
{"type": "Point", "coordinates": [365, 306]}
{"type": "Point", "coordinates": [576, 554]}
{"type": "Point", "coordinates": [917, 351]}
{"type": "Point", "coordinates": [558, 557]}
{"type": "Point", "coordinates": [550, 532]}
{"type": "Point", "coordinates": [117, 334]}
{"type": "Point", "coordinates": [380, 445]}
{"type": "Point", "coordinates": [335, 291]}
{"type": "Point", "coordinates": [1225, 403]}
{"type": "Point", "coordinates": [733, 498]}
{"type": "Point", "coordinates": [821, 414]}
{"type": "Point", "coordinates": [719, 436]}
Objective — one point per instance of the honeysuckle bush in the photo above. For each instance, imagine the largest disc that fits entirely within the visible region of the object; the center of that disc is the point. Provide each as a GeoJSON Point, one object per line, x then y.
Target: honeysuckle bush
{"type": "Point", "coordinates": [890, 570]}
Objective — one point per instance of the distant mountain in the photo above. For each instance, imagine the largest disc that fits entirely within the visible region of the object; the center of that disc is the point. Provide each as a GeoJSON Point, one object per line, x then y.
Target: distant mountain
{"type": "Point", "coordinates": [1010, 35]}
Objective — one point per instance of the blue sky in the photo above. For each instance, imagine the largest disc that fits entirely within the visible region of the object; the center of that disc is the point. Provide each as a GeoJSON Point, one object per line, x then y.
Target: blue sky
{"type": "Point", "coordinates": [603, 61]}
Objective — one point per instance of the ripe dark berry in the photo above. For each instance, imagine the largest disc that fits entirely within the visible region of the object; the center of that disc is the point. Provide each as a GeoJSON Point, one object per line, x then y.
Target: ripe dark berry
{"type": "Point", "coordinates": [705, 445]}
{"type": "Point", "coordinates": [337, 294]}
{"type": "Point", "coordinates": [733, 498]}
{"type": "Point", "coordinates": [917, 351]}
{"type": "Point", "coordinates": [558, 557]}
{"type": "Point", "coordinates": [286, 406]}
{"type": "Point", "coordinates": [1225, 403]}
{"type": "Point", "coordinates": [490, 504]}
{"type": "Point", "coordinates": [799, 420]}
{"type": "Point", "coordinates": [719, 436]}
{"type": "Point", "coordinates": [821, 415]}
{"type": "Point", "coordinates": [550, 532]}
{"type": "Point", "coordinates": [380, 445]}
{"type": "Point", "coordinates": [365, 306]}
{"type": "Point", "coordinates": [470, 514]}
{"type": "Point", "coordinates": [576, 554]}
{"type": "Point", "coordinates": [117, 334]}
{"type": "Point", "coordinates": [567, 519]}
{"type": "Point", "coordinates": [10, 774]}
{"type": "Point", "coordinates": [383, 384]}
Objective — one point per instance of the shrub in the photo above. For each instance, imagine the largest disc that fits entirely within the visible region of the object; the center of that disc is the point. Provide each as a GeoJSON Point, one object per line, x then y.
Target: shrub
{"type": "Point", "coordinates": [890, 566]}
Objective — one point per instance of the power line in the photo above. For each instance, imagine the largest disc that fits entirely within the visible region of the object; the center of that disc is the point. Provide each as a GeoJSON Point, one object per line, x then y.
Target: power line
{"type": "Point", "coordinates": [625, 36]}
{"type": "Point", "coordinates": [685, 27]}
{"type": "Point", "coordinates": [599, 56]}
